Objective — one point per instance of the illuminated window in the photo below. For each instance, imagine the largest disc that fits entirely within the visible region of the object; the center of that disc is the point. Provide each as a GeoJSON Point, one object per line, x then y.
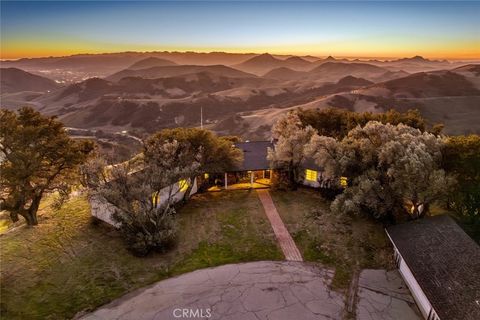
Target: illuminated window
{"type": "Point", "coordinates": [206, 176]}
{"type": "Point", "coordinates": [344, 182]}
{"type": "Point", "coordinates": [311, 175]}
{"type": "Point", "coordinates": [183, 185]}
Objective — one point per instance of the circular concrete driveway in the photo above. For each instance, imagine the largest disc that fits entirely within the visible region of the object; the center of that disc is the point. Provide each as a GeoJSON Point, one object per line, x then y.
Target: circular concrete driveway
{"type": "Point", "coordinates": [248, 291]}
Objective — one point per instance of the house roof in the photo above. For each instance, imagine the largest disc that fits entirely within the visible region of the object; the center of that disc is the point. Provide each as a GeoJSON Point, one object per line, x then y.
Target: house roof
{"type": "Point", "coordinates": [254, 155]}
{"type": "Point", "coordinates": [309, 163]}
{"type": "Point", "coordinates": [445, 261]}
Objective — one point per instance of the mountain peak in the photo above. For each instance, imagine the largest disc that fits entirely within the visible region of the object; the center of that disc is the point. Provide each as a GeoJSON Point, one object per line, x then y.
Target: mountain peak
{"type": "Point", "coordinates": [330, 58]}
{"type": "Point", "coordinates": [264, 57]}
{"type": "Point", "coordinates": [418, 58]}
{"type": "Point", "coordinates": [296, 58]}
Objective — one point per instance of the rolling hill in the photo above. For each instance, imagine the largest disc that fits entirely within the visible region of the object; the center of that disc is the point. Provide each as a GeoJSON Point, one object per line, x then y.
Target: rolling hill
{"type": "Point", "coordinates": [338, 70]}
{"type": "Point", "coordinates": [172, 71]}
{"type": "Point", "coordinates": [451, 97]}
{"type": "Point", "coordinates": [265, 63]}
{"type": "Point", "coordinates": [151, 62]}
{"type": "Point", "coordinates": [153, 92]}
{"type": "Point", "coordinates": [284, 73]}
{"type": "Point", "coordinates": [15, 80]}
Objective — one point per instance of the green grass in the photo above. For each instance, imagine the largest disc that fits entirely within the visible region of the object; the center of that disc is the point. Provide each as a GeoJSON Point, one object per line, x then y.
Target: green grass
{"type": "Point", "coordinates": [342, 242]}
{"type": "Point", "coordinates": [68, 264]}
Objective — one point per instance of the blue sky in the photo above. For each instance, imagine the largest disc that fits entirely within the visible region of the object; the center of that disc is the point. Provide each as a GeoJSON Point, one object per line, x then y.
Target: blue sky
{"type": "Point", "coordinates": [380, 28]}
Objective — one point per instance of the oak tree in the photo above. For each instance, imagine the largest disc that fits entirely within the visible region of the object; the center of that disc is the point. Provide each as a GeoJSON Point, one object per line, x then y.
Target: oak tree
{"type": "Point", "coordinates": [37, 157]}
{"type": "Point", "coordinates": [291, 139]}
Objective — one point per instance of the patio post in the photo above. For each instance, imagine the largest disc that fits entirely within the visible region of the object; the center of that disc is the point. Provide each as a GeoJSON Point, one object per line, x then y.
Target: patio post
{"type": "Point", "coordinates": [251, 179]}
{"type": "Point", "coordinates": [226, 181]}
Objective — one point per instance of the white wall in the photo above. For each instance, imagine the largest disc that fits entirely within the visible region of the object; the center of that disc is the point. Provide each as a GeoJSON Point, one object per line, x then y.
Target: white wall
{"type": "Point", "coordinates": [103, 210]}
{"type": "Point", "coordinates": [313, 184]}
{"type": "Point", "coordinates": [420, 298]}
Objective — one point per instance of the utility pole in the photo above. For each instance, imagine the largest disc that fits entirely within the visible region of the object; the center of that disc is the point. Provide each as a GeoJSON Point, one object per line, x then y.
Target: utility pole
{"type": "Point", "coordinates": [201, 118]}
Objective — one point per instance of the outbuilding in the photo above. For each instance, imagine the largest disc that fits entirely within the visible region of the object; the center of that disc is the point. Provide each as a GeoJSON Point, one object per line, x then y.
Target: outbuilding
{"type": "Point", "coordinates": [440, 264]}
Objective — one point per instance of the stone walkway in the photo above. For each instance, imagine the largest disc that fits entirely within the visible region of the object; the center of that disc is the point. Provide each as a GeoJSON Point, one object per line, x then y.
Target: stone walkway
{"type": "Point", "coordinates": [284, 238]}
{"type": "Point", "coordinates": [250, 291]}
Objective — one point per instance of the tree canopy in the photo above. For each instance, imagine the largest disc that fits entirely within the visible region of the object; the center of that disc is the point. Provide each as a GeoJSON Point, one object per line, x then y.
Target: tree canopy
{"type": "Point", "coordinates": [37, 157]}
{"type": "Point", "coordinates": [461, 157]}
{"type": "Point", "coordinates": [291, 138]}
{"type": "Point", "coordinates": [336, 123]}
{"type": "Point", "coordinates": [217, 154]}
{"type": "Point", "coordinates": [143, 190]}
{"type": "Point", "coordinates": [390, 169]}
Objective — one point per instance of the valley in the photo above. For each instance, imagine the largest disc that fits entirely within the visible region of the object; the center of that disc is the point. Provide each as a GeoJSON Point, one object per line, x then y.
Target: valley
{"type": "Point", "coordinates": [239, 94]}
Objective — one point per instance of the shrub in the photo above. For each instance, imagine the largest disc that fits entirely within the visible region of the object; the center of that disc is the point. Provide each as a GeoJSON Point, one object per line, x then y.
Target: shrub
{"type": "Point", "coordinates": [147, 231]}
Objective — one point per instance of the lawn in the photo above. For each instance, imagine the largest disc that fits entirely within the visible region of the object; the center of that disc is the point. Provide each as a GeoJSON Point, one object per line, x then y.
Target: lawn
{"type": "Point", "coordinates": [344, 242]}
{"type": "Point", "coordinates": [68, 264]}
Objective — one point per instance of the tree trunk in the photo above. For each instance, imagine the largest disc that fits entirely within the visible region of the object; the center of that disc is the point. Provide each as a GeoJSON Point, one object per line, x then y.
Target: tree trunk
{"type": "Point", "coordinates": [31, 218]}
{"type": "Point", "coordinates": [14, 216]}
{"type": "Point", "coordinates": [291, 177]}
{"type": "Point", "coordinates": [31, 214]}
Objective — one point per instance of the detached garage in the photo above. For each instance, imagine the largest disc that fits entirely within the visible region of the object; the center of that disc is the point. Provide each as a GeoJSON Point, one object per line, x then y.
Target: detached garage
{"type": "Point", "coordinates": [441, 265]}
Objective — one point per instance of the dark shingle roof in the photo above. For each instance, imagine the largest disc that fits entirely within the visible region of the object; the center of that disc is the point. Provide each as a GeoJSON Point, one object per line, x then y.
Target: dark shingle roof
{"type": "Point", "coordinates": [309, 163]}
{"type": "Point", "coordinates": [254, 155]}
{"type": "Point", "coordinates": [445, 262]}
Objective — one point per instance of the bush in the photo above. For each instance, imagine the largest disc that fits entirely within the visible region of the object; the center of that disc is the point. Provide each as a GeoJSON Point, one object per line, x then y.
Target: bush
{"type": "Point", "coordinates": [280, 180]}
{"type": "Point", "coordinates": [147, 231]}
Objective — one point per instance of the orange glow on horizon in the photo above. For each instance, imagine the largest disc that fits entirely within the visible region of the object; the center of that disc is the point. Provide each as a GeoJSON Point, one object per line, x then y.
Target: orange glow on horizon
{"type": "Point", "coordinates": [32, 48]}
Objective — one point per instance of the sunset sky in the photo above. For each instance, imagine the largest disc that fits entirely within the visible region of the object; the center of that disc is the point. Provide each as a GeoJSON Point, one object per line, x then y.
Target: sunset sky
{"type": "Point", "coordinates": [352, 29]}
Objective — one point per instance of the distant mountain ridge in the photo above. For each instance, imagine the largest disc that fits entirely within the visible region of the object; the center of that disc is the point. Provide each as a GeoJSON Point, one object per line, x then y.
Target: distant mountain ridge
{"type": "Point", "coordinates": [178, 70]}
{"type": "Point", "coordinates": [151, 62]}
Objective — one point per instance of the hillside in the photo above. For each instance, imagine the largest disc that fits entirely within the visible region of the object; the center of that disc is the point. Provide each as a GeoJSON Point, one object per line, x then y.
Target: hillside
{"type": "Point", "coordinates": [150, 63]}
{"type": "Point", "coordinates": [447, 97]}
{"type": "Point", "coordinates": [433, 84]}
{"type": "Point", "coordinates": [338, 70]}
{"type": "Point", "coordinates": [154, 93]}
{"type": "Point", "coordinates": [284, 73]}
{"type": "Point", "coordinates": [265, 63]}
{"type": "Point", "coordinates": [15, 80]}
{"type": "Point", "coordinates": [172, 71]}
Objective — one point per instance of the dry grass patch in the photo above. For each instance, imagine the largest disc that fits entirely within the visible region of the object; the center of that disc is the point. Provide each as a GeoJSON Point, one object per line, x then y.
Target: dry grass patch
{"type": "Point", "coordinates": [344, 242]}
{"type": "Point", "coordinates": [68, 264]}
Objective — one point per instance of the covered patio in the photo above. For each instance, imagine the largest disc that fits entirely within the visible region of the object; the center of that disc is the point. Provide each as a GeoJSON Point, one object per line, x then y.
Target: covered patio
{"type": "Point", "coordinates": [253, 173]}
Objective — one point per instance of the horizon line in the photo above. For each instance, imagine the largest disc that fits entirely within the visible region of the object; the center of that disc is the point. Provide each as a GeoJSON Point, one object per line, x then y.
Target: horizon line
{"type": "Point", "coordinates": [322, 56]}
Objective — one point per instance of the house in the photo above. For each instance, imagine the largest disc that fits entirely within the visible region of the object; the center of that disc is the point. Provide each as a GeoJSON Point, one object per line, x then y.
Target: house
{"type": "Point", "coordinates": [441, 265]}
{"type": "Point", "coordinates": [255, 168]}
{"type": "Point", "coordinates": [255, 165]}
{"type": "Point", "coordinates": [103, 210]}
{"type": "Point", "coordinates": [258, 167]}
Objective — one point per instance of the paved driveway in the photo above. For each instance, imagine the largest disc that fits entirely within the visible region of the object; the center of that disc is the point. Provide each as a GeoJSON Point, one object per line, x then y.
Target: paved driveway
{"type": "Point", "coordinates": [249, 291]}
{"type": "Point", "coordinates": [382, 295]}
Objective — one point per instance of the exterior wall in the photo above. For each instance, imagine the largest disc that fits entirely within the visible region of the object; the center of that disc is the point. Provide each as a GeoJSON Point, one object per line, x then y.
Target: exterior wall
{"type": "Point", "coordinates": [310, 182]}
{"type": "Point", "coordinates": [313, 184]}
{"type": "Point", "coordinates": [104, 211]}
{"type": "Point", "coordinates": [420, 298]}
